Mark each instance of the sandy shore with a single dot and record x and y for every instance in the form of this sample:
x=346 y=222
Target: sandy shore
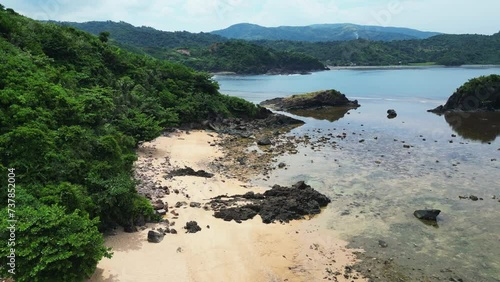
x=221 y=251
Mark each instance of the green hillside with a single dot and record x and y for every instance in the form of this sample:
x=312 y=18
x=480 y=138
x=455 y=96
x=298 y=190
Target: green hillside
x=441 y=49
x=202 y=51
x=73 y=110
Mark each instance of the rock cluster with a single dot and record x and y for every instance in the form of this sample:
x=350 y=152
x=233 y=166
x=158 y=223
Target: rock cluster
x=277 y=204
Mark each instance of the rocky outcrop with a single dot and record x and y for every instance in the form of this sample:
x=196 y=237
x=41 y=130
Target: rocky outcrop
x=155 y=237
x=277 y=204
x=477 y=95
x=314 y=100
x=187 y=171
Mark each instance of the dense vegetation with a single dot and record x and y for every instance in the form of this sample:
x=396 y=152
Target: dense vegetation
x=203 y=51
x=478 y=94
x=321 y=32
x=73 y=108
x=210 y=52
x=441 y=49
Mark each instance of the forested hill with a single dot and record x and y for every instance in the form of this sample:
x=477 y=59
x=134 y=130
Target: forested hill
x=321 y=32
x=440 y=49
x=72 y=110
x=202 y=51
x=147 y=37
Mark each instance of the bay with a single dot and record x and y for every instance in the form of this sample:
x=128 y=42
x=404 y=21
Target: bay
x=379 y=170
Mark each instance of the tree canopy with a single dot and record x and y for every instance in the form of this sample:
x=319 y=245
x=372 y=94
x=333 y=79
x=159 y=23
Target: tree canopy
x=73 y=109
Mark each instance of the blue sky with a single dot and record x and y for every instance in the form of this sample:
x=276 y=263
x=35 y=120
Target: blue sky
x=449 y=16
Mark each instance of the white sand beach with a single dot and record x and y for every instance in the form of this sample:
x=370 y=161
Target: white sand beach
x=221 y=251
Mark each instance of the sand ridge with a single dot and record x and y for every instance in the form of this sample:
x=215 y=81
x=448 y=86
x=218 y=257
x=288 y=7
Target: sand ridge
x=221 y=251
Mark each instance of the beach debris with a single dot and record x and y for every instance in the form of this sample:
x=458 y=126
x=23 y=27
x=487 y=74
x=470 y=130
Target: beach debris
x=391 y=113
x=281 y=165
x=430 y=215
x=277 y=204
x=155 y=237
x=192 y=227
x=129 y=228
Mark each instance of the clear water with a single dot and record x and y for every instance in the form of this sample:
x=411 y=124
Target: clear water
x=378 y=183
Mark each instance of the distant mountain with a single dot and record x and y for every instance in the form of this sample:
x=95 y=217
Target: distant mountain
x=321 y=32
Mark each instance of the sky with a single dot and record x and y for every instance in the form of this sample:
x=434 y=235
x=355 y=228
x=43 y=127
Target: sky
x=447 y=16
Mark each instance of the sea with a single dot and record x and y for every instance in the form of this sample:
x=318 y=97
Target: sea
x=378 y=171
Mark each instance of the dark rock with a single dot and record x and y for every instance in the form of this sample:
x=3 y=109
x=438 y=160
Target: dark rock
x=277 y=204
x=158 y=205
x=427 y=214
x=192 y=227
x=281 y=165
x=140 y=220
x=474 y=198
x=155 y=237
x=391 y=114
x=173 y=231
x=195 y=205
x=264 y=141
x=180 y=204
x=161 y=212
x=130 y=228
x=187 y=171
x=382 y=244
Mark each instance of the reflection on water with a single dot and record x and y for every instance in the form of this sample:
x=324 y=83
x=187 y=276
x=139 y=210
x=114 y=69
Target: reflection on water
x=483 y=127
x=331 y=113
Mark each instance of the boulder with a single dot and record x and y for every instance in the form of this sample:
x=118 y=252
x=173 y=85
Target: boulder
x=264 y=141
x=158 y=205
x=192 y=227
x=427 y=214
x=391 y=114
x=154 y=236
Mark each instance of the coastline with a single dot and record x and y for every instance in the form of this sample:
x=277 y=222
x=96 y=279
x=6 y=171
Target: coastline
x=222 y=251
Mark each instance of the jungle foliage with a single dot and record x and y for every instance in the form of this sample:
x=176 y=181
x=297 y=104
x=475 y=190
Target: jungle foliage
x=73 y=109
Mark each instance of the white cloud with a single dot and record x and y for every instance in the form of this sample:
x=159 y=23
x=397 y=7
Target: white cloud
x=452 y=16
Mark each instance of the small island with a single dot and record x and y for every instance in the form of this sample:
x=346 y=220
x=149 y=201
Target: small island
x=480 y=94
x=310 y=101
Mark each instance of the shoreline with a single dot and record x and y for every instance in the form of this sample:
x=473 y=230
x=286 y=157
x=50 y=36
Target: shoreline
x=222 y=251
x=389 y=67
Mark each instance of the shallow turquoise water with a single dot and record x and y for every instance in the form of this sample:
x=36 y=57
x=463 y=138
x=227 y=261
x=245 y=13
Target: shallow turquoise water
x=378 y=183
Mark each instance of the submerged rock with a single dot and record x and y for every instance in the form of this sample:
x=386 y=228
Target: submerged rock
x=427 y=214
x=155 y=237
